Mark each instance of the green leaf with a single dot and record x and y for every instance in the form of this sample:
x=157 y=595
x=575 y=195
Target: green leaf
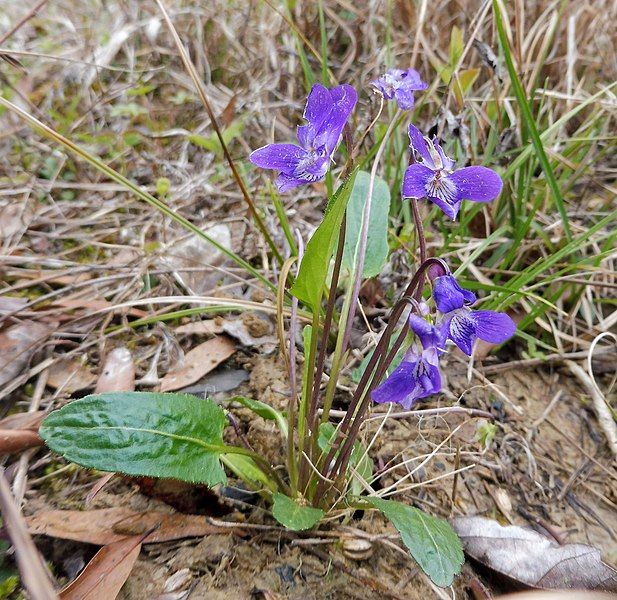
x=213 y=144
x=140 y=433
x=377 y=241
x=245 y=468
x=432 y=542
x=463 y=84
x=265 y=411
x=294 y=516
x=128 y=110
x=456 y=45
x=308 y=286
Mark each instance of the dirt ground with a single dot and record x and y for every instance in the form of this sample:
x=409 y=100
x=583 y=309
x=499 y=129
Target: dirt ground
x=547 y=467
x=89 y=272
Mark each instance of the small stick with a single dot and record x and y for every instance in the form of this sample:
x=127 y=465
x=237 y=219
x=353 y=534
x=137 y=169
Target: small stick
x=23 y=21
x=605 y=418
x=34 y=576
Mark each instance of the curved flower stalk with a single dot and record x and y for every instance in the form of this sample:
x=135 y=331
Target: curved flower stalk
x=418 y=374
x=400 y=85
x=326 y=113
x=433 y=176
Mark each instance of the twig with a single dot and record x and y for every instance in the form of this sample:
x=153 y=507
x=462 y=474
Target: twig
x=34 y=576
x=23 y=21
x=605 y=419
x=546 y=360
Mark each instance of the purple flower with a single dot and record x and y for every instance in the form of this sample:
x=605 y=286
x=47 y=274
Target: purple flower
x=433 y=176
x=326 y=113
x=418 y=375
x=401 y=85
x=463 y=325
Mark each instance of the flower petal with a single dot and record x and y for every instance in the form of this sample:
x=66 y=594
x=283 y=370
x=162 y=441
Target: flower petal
x=404 y=98
x=411 y=80
x=282 y=157
x=415 y=180
x=343 y=98
x=479 y=184
x=449 y=295
x=493 y=327
x=316 y=111
x=448 y=208
x=286 y=182
x=420 y=146
x=462 y=330
x=432 y=382
x=429 y=335
x=400 y=387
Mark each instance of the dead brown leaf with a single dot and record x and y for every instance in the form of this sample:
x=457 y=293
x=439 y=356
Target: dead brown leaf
x=524 y=557
x=106 y=573
x=198 y=362
x=70 y=375
x=27 y=420
x=108 y=525
x=207 y=327
x=118 y=373
x=16 y=440
x=17 y=345
x=9 y=304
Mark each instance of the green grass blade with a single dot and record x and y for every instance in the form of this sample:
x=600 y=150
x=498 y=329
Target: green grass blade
x=132 y=187
x=530 y=123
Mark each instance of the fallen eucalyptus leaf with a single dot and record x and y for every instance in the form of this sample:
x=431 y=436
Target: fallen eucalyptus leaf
x=525 y=557
x=118 y=374
x=198 y=362
x=108 y=525
x=106 y=573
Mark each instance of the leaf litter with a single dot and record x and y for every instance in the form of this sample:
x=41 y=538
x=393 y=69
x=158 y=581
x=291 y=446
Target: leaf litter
x=198 y=362
x=540 y=470
x=530 y=559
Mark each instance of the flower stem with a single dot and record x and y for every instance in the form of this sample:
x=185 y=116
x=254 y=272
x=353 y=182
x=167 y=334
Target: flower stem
x=421 y=242
x=379 y=362
x=348 y=311
x=321 y=358
x=292 y=465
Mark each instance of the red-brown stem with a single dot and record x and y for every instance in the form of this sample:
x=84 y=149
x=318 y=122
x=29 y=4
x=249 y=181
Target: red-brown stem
x=378 y=355
x=421 y=243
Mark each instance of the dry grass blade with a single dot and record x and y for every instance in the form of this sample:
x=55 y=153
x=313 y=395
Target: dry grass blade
x=190 y=67
x=605 y=418
x=23 y=21
x=34 y=575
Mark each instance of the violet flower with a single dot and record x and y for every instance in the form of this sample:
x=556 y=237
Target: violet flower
x=418 y=375
x=433 y=176
x=400 y=85
x=463 y=325
x=326 y=113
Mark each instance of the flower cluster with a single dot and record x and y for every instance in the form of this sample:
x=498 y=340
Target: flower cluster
x=400 y=85
x=432 y=176
x=418 y=375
